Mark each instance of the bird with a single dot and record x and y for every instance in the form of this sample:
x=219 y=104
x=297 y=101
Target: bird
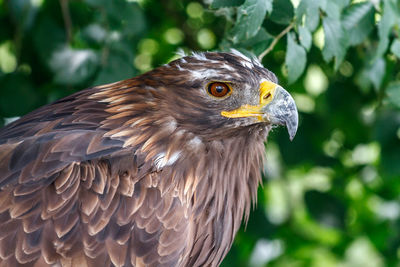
x=157 y=170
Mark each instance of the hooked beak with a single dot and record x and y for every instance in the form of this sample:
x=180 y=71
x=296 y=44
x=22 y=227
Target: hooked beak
x=276 y=106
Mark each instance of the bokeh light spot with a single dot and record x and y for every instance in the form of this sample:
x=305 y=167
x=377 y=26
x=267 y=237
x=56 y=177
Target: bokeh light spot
x=206 y=38
x=36 y=3
x=8 y=61
x=377 y=17
x=174 y=36
x=265 y=251
x=362 y=253
x=25 y=68
x=148 y=46
x=346 y=69
x=295 y=3
x=276 y=208
x=368 y=113
x=332 y=146
x=319 y=38
x=143 y=62
x=194 y=10
x=366 y=153
x=140 y=2
x=316 y=81
x=304 y=102
x=318 y=178
x=355 y=189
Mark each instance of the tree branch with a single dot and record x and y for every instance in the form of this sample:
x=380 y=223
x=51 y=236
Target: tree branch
x=67 y=18
x=275 y=41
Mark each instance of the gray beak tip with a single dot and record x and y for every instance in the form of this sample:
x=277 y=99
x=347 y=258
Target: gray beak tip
x=292 y=124
x=292 y=135
x=282 y=110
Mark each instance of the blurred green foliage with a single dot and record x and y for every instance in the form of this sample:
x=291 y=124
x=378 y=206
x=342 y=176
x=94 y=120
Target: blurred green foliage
x=332 y=196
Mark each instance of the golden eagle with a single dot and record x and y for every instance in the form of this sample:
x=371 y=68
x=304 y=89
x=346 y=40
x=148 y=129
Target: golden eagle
x=157 y=170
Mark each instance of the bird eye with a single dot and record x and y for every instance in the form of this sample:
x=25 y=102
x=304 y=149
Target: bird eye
x=218 y=89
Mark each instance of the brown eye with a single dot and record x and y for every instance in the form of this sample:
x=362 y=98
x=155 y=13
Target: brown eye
x=218 y=89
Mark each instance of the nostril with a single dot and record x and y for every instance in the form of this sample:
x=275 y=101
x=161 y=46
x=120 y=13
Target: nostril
x=267 y=96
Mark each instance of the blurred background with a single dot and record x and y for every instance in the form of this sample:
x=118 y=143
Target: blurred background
x=332 y=196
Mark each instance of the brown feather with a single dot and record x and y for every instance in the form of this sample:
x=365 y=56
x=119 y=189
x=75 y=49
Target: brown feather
x=142 y=172
x=116 y=252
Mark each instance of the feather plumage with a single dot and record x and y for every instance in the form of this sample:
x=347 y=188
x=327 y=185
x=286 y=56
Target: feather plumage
x=142 y=172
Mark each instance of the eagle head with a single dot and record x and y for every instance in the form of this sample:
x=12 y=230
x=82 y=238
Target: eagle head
x=215 y=93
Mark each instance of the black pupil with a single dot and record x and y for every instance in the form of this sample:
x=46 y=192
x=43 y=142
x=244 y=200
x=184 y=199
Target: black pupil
x=219 y=89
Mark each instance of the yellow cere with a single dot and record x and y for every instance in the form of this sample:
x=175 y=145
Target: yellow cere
x=267 y=90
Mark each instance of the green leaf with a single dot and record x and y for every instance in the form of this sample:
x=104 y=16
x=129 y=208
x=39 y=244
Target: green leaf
x=295 y=59
x=333 y=10
x=73 y=66
x=308 y=10
x=395 y=48
x=250 y=17
x=376 y=71
x=393 y=93
x=259 y=42
x=305 y=37
x=372 y=74
x=335 y=41
x=226 y=3
x=388 y=20
x=358 y=21
x=282 y=12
